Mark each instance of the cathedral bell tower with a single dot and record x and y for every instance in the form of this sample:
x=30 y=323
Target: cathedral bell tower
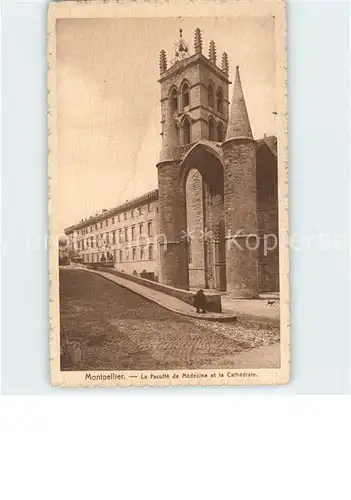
x=194 y=108
x=196 y=88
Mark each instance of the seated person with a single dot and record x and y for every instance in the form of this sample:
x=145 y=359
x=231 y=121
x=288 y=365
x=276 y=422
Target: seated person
x=200 y=302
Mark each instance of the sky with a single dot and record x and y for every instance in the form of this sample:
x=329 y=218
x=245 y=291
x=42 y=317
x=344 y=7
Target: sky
x=108 y=99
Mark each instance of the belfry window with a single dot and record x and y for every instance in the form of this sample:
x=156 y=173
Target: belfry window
x=174 y=100
x=186 y=131
x=220 y=101
x=211 y=130
x=210 y=95
x=185 y=95
x=220 y=133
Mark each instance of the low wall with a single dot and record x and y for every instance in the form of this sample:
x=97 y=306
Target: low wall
x=103 y=265
x=214 y=303
x=150 y=266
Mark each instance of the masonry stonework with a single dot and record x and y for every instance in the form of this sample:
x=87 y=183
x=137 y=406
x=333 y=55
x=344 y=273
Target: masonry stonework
x=213 y=221
x=195 y=228
x=172 y=227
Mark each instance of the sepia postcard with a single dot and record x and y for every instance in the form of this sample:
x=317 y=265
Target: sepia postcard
x=168 y=193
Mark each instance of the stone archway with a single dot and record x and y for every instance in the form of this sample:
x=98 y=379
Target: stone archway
x=202 y=191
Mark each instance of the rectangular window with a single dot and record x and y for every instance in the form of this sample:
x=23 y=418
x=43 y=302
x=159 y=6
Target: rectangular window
x=141 y=253
x=120 y=236
x=119 y=218
x=132 y=214
x=120 y=256
x=107 y=239
x=114 y=237
x=149 y=207
x=106 y=222
x=113 y=220
x=125 y=215
x=95 y=227
x=149 y=228
x=127 y=254
x=139 y=210
x=101 y=225
x=134 y=254
x=126 y=234
x=133 y=232
x=92 y=242
x=140 y=229
x=151 y=252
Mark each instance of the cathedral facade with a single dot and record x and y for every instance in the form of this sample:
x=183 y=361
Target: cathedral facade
x=217 y=185
x=216 y=206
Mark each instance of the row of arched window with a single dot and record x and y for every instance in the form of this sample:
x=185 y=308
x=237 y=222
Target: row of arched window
x=184 y=97
x=184 y=131
x=215 y=131
x=215 y=100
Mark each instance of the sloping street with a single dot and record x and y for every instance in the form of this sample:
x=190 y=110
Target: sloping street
x=107 y=327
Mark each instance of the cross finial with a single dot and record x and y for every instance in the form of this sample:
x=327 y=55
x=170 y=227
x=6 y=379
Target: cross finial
x=181 y=47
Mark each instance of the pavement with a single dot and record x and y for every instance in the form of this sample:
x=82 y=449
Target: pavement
x=267 y=356
x=171 y=303
x=105 y=326
x=232 y=307
x=253 y=308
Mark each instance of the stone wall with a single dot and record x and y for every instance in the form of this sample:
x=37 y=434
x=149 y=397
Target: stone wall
x=214 y=303
x=138 y=267
x=172 y=224
x=195 y=225
x=268 y=224
x=240 y=216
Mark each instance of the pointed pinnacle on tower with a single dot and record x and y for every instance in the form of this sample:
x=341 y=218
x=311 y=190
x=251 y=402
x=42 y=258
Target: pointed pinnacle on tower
x=170 y=141
x=163 y=61
x=239 y=123
x=212 y=52
x=198 y=41
x=225 y=64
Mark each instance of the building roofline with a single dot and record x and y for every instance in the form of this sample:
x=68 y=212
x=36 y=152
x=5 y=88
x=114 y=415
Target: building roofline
x=179 y=66
x=270 y=141
x=145 y=198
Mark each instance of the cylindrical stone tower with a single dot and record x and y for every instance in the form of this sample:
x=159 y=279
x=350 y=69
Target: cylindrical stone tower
x=242 y=241
x=172 y=215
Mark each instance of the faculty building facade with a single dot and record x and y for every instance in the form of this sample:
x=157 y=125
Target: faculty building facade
x=126 y=235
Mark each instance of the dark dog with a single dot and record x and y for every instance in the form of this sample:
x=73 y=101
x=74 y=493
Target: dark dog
x=270 y=303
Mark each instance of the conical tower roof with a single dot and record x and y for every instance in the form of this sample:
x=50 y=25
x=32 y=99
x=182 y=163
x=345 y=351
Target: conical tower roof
x=239 y=123
x=170 y=141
